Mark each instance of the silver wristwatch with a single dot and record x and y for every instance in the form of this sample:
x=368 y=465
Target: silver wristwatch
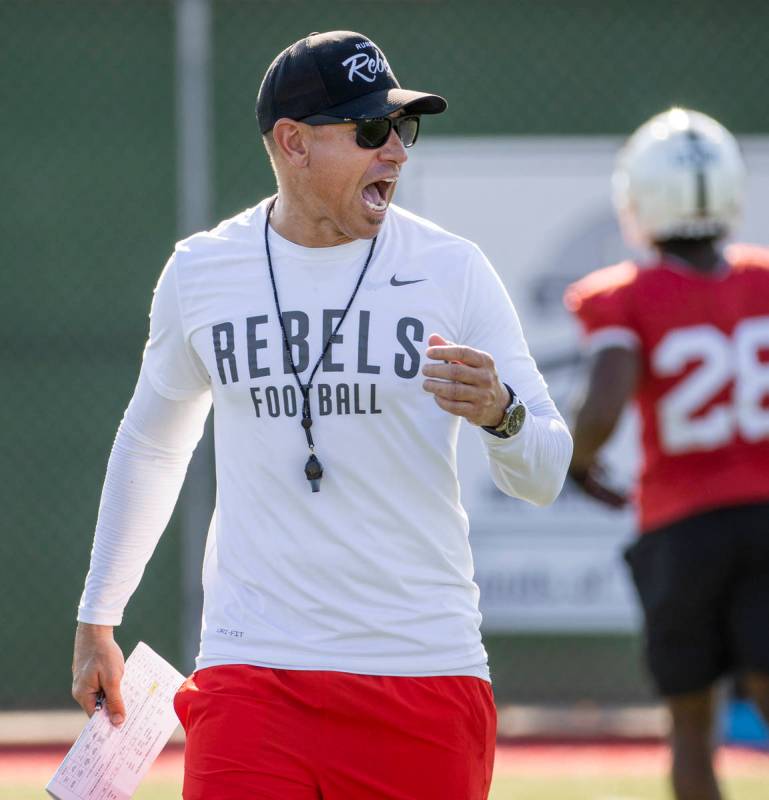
x=512 y=419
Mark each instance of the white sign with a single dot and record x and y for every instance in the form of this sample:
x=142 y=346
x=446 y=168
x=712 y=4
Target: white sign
x=539 y=581
x=540 y=208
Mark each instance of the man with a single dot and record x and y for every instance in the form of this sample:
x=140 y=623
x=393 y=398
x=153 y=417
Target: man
x=340 y=655
x=687 y=338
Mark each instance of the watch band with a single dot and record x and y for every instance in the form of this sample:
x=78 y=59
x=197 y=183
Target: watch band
x=500 y=430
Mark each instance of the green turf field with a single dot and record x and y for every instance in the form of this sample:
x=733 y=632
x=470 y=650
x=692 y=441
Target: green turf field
x=504 y=788
x=606 y=788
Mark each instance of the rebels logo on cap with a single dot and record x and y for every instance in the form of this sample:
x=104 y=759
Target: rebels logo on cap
x=365 y=66
x=340 y=74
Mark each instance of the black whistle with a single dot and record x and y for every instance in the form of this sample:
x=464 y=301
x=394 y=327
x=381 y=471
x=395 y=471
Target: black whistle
x=313 y=469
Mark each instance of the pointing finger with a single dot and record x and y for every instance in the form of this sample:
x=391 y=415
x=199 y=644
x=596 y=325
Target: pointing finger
x=461 y=353
x=435 y=340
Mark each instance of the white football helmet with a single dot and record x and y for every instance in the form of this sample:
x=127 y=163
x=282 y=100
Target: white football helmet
x=680 y=175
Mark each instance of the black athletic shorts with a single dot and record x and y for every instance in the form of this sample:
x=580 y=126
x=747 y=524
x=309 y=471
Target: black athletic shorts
x=703 y=583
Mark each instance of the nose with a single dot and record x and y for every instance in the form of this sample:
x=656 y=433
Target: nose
x=393 y=150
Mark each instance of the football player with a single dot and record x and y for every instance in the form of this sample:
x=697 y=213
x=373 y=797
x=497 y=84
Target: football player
x=686 y=338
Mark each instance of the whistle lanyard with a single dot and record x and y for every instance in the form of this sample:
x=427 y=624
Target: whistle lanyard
x=313 y=469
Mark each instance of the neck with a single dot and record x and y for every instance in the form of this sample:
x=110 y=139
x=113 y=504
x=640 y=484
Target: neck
x=298 y=222
x=701 y=254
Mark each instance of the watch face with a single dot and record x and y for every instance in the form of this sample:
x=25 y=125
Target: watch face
x=514 y=419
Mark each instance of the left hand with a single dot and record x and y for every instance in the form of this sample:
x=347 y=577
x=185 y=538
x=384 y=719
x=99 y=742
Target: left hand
x=467 y=382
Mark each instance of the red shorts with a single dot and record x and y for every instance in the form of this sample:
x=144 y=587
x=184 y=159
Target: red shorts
x=272 y=734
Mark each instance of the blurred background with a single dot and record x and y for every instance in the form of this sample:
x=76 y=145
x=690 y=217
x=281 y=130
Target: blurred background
x=127 y=124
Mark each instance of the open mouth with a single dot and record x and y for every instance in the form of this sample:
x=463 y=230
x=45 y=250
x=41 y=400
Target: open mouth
x=377 y=195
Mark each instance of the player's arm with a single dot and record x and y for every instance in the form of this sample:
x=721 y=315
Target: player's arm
x=603 y=303
x=612 y=380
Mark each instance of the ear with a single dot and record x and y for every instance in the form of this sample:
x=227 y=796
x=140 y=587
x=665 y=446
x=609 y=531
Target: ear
x=292 y=140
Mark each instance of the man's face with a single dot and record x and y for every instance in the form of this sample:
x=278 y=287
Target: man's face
x=350 y=187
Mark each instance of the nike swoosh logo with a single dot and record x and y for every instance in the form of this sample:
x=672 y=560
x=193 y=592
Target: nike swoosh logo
x=395 y=282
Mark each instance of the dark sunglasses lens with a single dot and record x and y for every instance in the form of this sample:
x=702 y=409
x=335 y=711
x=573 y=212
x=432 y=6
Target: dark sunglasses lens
x=408 y=128
x=373 y=132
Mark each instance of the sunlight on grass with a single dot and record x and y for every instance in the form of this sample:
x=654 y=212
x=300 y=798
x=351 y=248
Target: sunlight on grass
x=505 y=787
x=609 y=788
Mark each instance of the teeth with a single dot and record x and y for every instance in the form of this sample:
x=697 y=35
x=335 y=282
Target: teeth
x=380 y=205
x=375 y=206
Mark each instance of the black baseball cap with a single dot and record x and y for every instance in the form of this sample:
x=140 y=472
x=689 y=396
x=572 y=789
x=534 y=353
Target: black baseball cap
x=339 y=74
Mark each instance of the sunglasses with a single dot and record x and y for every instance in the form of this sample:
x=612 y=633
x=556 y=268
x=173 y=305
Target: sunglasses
x=374 y=132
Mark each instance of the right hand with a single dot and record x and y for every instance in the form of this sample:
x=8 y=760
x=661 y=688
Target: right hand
x=592 y=481
x=97 y=666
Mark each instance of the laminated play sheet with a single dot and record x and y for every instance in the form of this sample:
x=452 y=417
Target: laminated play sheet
x=108 y=763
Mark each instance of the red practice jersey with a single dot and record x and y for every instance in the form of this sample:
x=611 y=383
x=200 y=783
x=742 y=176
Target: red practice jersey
x=703 y=393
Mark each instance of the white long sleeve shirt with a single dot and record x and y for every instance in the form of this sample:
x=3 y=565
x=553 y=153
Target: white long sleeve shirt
x=373 y=574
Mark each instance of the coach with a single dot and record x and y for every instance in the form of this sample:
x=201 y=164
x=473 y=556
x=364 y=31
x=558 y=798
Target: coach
x=340 y=653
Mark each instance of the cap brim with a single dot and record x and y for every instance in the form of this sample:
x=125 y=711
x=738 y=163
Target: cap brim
x=386 y=101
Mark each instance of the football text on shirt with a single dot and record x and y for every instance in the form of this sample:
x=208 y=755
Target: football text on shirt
x=340 y=398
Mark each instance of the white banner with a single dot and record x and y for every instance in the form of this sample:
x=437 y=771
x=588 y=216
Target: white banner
x=553 y=583
x=540 y=208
